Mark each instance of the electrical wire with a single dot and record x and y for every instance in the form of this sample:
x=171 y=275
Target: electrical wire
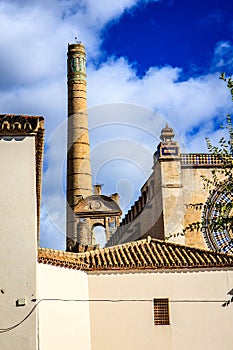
x=38 y=301
x=4 y=330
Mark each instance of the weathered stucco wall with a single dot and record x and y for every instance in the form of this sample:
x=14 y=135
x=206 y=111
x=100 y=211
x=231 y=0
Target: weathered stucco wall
x=18 y=241
x=197 y=320
x=63 y=324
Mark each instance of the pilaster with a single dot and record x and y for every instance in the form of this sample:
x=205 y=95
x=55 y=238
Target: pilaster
x=168 y=169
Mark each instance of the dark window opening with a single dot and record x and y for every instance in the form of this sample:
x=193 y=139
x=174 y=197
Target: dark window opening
x=161 y=312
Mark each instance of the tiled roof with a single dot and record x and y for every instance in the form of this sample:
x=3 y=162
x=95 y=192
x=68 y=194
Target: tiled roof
x=60 y=258
x=144 y=254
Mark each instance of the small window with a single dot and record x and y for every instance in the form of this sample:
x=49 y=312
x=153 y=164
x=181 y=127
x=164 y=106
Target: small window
x=161 y=312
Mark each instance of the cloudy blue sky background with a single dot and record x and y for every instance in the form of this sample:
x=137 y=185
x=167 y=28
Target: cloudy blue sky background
x=148 y=62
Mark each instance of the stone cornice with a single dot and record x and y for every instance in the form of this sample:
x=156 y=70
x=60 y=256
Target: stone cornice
x=20 y=124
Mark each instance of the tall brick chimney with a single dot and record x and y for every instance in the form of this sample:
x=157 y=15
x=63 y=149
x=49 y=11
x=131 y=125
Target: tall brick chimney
x=79 y=178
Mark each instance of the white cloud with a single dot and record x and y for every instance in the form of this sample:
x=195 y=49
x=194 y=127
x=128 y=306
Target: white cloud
x=30 y=46
x=223 y=56
x=103 y=11
x=124 y=125
x=184 y=103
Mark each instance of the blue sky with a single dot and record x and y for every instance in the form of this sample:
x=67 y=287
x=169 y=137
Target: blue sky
x=178 y=33
x=149 y=62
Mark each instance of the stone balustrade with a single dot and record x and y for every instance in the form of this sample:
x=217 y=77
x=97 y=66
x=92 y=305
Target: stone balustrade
x=200 y=159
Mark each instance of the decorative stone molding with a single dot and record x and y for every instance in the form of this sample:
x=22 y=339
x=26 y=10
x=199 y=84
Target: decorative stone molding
x=96 y=205
x=19 y=124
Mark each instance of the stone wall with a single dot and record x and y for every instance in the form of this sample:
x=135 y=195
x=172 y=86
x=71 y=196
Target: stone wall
x=165 y=206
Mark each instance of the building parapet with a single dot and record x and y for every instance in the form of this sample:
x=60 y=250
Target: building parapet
x=194 y=160
x=136 y=209
x=131 y=215
x=200 y=159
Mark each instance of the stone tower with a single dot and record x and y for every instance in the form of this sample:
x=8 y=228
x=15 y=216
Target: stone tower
x=84 y=209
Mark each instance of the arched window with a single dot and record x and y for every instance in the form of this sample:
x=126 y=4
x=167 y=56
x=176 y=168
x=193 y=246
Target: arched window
x=99 y=233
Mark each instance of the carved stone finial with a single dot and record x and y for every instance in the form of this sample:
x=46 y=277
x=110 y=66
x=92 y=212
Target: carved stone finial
x=167 y=134
x=97 y=188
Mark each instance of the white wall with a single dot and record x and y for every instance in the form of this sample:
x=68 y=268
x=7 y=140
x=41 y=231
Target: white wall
x=129 y=325
x=18 y=241
x=63 y=324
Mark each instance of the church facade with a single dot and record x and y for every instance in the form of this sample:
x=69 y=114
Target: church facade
x=174 y=197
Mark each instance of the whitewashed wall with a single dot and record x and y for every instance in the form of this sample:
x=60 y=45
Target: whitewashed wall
x=18 y=241
x=63 y=324
x=197 y=319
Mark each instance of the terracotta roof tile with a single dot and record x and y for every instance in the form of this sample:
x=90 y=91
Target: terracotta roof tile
x=144 y=254
x=134 y=256
x=140 y=255
x=155 y=254
x=60 y=258
x=200 y=258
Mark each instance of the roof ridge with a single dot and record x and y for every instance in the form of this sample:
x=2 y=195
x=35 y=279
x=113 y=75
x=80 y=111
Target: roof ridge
x=149 y=240
x=142 y=254
x=189 y=247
